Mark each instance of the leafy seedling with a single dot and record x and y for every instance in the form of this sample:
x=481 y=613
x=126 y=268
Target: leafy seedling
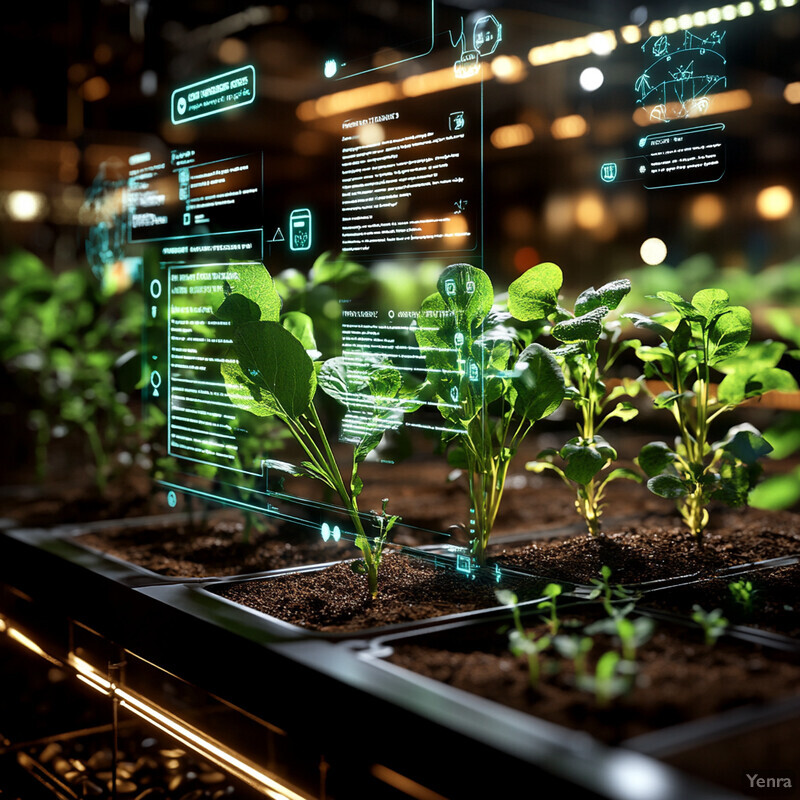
x=272 y=374
x=712 y=623
x=698 y=339
x=384 y=523
x=488 y=388
x=612 y=678
x=603 y=588
x=551 y=591
x=590 y=345
x=744 y=595
x=522 y=642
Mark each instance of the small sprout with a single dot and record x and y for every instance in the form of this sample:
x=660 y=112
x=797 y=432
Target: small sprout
x=522 y=642
x=712 y=623
x=609 y=593
x=633 y=633
x=575 y=648
x=372 y=549
x=552 y=590
x=613 y=677
x=744 y=595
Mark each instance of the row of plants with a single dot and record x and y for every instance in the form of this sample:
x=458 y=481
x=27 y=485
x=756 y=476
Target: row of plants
x=491 y=383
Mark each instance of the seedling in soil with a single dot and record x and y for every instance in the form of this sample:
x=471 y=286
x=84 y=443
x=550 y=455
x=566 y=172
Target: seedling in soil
x=575 y=648
x=489 y=388
x=551 y=591
x=610 y=593
x=712 y=623
x=522 y=642
x=632 y=633
x=699 y=339
x=613 y=677
x=273 y=374
x=384 y=522
x=584 y=332
x=743 y=595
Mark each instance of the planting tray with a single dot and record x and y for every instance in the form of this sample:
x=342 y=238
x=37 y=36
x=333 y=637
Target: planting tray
x=754 y=738
x=209 y=591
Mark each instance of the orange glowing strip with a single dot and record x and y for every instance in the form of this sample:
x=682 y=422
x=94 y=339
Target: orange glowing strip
x=720 y=103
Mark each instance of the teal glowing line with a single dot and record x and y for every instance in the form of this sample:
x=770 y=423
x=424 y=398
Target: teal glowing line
x=212 y=79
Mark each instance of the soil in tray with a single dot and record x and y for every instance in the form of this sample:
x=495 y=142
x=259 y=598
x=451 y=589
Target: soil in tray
x=776 y=599
x=679 y=679
x=336 y=599
x=214 y=548
x=650 y=550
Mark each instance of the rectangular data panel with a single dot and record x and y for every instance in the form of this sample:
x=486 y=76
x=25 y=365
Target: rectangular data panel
x=213 y=95
x=203 y=425
x=411 y=174
x=188 y=198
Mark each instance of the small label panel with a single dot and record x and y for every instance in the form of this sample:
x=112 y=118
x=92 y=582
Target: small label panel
x=213 y=95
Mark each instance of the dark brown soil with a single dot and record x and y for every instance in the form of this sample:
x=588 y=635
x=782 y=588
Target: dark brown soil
x=776 y=599
x=337 y=599
x=679 y=679
x=215 y=548
x=651 y=551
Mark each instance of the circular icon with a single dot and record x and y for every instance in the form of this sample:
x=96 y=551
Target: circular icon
x=155 y=288
x=155 y=379
x=172 y=499
x=181 y=105
x=391 y=314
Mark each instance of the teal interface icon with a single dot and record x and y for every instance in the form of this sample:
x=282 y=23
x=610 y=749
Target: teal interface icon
x=608 y=172
x=300 y=229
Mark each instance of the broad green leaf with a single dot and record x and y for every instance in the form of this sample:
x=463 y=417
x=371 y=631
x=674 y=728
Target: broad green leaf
x=784 y=435
x=668 y=399
x=686 y=310
x=275 y=362
x=534 y=295
x=668 y=486
x=341 y=381
x=605 y=449
x=609 y=295
x=777 y=492
x=385 y=382
x=624 y=411
x=255 y=283
x=729 y=334
x=711 y=302
x=538 y=388
x=623 y=473
x=654 y=458
x=468 y=292
x=755 y=357
x=244 y=393
x=587 y=327
x=739 y=386
x=301 y=327
x=650 y=324
x=745 y=444
x=237 y=308
x=369 y=441
x=583 y=461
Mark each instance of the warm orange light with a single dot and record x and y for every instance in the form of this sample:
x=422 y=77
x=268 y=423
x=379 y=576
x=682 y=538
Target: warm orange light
x=232 y=51
x=569 y=127
x=590 y=211
x=512 y=136
x=792 y=92
x=508 y=69
x=95 y=89
x=103 y=53
x=631 y=34
x=525 y=258
x=707 y=210
x=774 y=202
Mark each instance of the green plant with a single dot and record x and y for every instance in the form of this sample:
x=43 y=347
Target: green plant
x=575 y=648
x=612 y=678
x=488 y=388
x=272 y=374
x=712 y=623
x=384 y=522
x=744 y=595
x=70 y=352
x=699 y=339
x=609 y=592
x=551 y=591
x=588 y=455
x=522 y=642
x=632 y=633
